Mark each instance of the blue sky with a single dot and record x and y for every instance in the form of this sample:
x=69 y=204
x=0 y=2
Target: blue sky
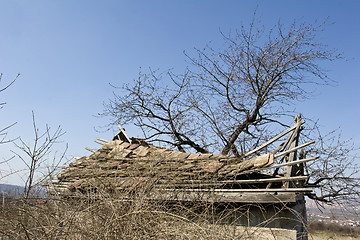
x=68 y=51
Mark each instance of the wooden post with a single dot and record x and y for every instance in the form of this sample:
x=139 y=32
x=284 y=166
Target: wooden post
x=290 y=170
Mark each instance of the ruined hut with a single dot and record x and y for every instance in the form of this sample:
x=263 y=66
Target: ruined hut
x=273 y=184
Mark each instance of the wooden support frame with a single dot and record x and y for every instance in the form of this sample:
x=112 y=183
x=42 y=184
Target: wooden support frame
x=294 y=149
x=282 y=165
x=274 y=138
x=238 y=190
x=201 y=183
x=289 y=169
x=227 y=197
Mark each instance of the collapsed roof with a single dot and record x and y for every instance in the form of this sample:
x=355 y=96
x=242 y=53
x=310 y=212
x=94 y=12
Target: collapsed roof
x=127 y=164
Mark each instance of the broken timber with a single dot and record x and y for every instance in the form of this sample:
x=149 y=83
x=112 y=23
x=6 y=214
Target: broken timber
x=127 y=163
x=264 y=181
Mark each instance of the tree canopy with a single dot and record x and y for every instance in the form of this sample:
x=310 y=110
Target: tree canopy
x=226 y=95
x=227 y=99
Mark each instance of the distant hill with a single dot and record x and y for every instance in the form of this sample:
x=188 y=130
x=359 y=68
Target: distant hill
x=11 y=190
x=16 y=191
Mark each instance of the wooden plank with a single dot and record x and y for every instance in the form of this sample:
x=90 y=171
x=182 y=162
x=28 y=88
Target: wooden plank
x=239 y=190
x=103 y=140
x=281 y=165
x=290 y=169
x=290 y=138
x=122 y=135
x=274 y=139
x=227 y=197
x=294 y=149
x=101 y=143
x=265 y=180
x=282 y=146
x=211 y=197
x=91 y=150
x=292 y=163
x=219 y=183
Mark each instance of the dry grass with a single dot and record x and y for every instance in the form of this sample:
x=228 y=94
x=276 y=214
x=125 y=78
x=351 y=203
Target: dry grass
x=104 y=215
x=106 y=218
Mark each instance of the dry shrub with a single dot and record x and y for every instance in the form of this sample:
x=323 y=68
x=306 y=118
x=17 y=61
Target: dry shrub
x=107 y=218
x=130 y=214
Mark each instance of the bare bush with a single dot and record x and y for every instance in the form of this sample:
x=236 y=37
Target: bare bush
x=4 y=129
x=102 y=219
x=39 y=155
x=110 y=217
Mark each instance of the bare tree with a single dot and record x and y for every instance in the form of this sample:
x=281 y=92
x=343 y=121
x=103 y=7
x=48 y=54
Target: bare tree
x=229 y=100
x=3 y=130
x=230 y=93
x=38 y=154
x=34 y=156
x=161 y=110
x=256 y=77
x=336 y=171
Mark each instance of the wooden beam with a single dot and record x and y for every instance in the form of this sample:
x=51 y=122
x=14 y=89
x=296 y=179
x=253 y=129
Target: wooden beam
x=294 y=162
x=274 y=139
x=281 y=165
x=219 y=183
x=294 y=149
x=212 y=197
x=265 y=180
x=121 y=135
x=239 y=190
x=101 y=143
x=282 y=146
x=103 y=140
x=91 y=150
